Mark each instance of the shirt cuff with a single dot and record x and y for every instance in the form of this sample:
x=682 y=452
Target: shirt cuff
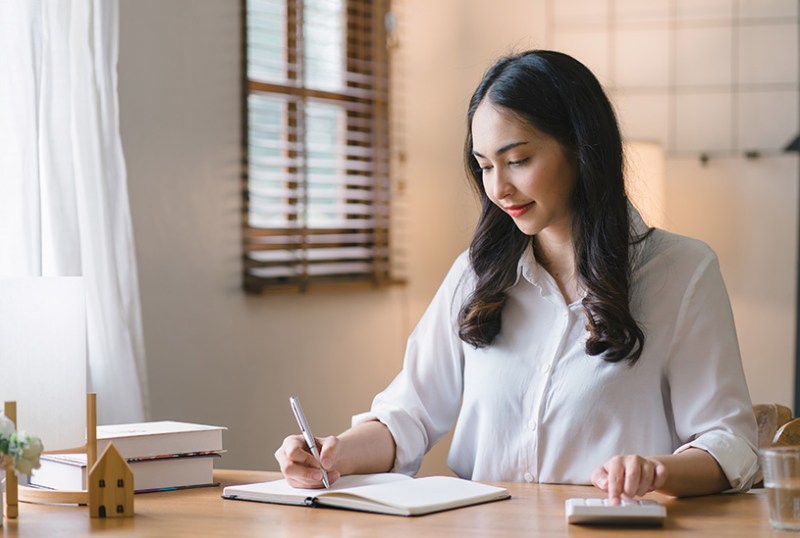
x=737 y=458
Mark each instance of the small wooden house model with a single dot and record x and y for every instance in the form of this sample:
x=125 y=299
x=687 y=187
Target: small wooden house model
x=111 y=485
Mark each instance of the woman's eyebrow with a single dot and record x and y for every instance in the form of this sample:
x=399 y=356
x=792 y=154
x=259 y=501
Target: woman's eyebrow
x=501 y=150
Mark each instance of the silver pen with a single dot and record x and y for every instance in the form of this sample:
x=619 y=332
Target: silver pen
x=308 y=436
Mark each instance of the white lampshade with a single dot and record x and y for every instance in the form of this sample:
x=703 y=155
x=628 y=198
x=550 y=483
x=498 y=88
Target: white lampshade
x=644 y=180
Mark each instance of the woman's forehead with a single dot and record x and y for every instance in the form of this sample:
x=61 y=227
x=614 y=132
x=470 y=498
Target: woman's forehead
x=494 y=124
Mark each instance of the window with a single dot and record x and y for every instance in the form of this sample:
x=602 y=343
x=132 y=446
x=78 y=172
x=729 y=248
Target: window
x=317 y=188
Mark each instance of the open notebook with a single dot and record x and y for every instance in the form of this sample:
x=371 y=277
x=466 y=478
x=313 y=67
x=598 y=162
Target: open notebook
x=387 y=493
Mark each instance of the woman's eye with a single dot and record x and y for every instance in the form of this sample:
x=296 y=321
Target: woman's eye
x=517 y=163
x=486 y=168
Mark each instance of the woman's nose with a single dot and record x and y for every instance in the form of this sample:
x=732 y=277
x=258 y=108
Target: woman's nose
x=500 y=186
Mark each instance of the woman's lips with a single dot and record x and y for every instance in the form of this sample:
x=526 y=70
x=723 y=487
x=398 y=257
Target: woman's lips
x=517 y=210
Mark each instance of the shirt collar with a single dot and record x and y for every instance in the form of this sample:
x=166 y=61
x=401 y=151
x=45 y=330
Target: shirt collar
x=527 y=266
x=531 y=270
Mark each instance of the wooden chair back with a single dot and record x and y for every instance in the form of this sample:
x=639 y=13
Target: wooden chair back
x=772 y=419
x=788 y=434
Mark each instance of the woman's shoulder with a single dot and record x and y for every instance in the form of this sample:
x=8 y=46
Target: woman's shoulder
x=457 y=284
x=663 y=246
x=670 y=268
x=671 y=261
x=460 y=269
x=462 y=260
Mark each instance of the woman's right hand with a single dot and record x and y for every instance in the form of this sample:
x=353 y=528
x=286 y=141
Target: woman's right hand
x=299 y=466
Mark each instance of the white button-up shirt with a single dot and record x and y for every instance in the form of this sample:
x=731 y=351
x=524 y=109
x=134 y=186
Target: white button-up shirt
x=533 y=406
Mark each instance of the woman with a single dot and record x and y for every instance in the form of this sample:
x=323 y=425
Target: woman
x=571 y=343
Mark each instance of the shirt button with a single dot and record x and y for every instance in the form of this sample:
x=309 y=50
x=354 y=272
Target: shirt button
x=546 y=368
x=532 y=425
x=528 y=477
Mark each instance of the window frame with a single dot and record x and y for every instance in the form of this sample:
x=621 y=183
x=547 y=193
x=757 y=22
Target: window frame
x=375 y=65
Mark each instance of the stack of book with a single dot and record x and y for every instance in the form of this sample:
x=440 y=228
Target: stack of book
x=162 y=455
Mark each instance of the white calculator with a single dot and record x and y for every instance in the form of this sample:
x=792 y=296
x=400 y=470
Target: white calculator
x=602 y=512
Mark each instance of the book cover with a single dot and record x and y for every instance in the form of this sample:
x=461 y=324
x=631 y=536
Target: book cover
x=160 y=438
x=67 y=472
x=386 y=493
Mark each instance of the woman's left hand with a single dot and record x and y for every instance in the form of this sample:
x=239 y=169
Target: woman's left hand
x=629 y=476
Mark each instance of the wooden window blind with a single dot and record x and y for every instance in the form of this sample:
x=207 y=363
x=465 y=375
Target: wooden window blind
x=317 y=176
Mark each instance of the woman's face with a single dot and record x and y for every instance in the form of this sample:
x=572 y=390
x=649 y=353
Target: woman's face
x=525 y=172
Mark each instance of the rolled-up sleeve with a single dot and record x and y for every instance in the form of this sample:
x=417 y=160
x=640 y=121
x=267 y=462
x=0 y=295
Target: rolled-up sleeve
x=422 y=402
x=708 y=392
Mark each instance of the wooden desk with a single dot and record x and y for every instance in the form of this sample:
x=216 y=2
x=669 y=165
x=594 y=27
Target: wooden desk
x=533 y=510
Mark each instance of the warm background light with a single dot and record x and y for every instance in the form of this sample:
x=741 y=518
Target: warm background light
x=644 y=180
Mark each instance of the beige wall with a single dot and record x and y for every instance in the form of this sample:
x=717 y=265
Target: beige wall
x=217 y=356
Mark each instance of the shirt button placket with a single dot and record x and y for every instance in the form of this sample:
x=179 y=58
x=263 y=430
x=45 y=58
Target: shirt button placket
x=545 y=382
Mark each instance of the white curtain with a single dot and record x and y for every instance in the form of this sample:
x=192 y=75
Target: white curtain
x=64 y=207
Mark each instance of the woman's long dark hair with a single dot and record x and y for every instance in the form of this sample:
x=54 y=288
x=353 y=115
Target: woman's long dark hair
x=560 y=97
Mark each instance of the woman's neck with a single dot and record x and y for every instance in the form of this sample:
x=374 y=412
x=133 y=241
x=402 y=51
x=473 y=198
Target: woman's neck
x=554 y=252
x=557 y=256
